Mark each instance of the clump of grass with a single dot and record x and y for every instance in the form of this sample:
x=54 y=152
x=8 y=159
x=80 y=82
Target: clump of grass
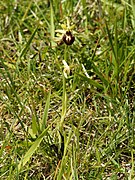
x=78 y=125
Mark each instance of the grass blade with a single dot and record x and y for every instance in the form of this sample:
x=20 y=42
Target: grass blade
x=28 y=43
x=45 y=115
x=52 y=27
x=92 y=82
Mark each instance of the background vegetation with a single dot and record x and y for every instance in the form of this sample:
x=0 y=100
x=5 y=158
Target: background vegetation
x=75 y=127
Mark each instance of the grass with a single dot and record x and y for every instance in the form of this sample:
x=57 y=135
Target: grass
x=56 y=124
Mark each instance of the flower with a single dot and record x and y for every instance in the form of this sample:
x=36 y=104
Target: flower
x=65 y=35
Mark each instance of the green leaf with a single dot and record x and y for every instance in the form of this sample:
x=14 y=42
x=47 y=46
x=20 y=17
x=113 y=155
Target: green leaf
x=34 y=125
x=52 y=27
x=28 y=43
x=92 y=82
x=99 y=74
x=32 y=149
x=45 y=115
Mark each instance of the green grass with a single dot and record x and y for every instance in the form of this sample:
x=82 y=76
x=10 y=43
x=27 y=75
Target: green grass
x=60 y=125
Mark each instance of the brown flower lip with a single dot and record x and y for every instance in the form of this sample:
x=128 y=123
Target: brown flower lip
x=68 y=38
